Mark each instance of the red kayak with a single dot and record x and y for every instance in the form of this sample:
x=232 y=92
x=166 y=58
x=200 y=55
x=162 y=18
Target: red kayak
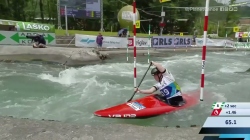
x=148 y=106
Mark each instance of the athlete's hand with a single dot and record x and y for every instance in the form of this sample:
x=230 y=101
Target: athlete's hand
x=152 y=63
x=137 y=90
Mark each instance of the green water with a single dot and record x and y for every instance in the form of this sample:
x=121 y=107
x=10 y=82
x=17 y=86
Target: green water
x=42 y=91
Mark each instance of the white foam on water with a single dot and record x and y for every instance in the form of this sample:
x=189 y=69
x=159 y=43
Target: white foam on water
x=88 y=87
x=239 y=53
x=7 y=73
x=182 y=59
x=148 y=82
x=235 y=66
x=7 y=91
x=230 y=69
x=187 y=113
x=176 y=57
x=23 y=69
x=15 y=105
x=189 y=86
x=66 y=77
x=221 y=97
x=96 y=87
x=78 y=75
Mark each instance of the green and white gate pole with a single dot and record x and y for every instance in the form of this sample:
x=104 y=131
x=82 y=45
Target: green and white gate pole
x=225 y=45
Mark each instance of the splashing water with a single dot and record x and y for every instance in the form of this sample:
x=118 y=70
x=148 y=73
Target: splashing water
x=50 y=92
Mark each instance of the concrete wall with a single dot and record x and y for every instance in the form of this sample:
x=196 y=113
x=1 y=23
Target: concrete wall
x=65 y=40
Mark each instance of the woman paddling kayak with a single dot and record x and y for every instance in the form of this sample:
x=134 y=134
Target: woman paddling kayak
x=166 y=84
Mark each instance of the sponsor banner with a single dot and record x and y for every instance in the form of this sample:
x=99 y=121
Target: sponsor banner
x=129 y=15
x=19 y=38
x=35 y=27
x=140 y=42
x=210 y=42
x=199 y=42
x=167 y=41
x=29 y=26
x=242 y=34
x=242 y=44
x=108 y=42
x=130 y=42
x=85 y=40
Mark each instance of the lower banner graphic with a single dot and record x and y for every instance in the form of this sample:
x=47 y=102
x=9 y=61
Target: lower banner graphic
x=215 y=42
x=108 y=42
x=171 y=41
x=140 y=42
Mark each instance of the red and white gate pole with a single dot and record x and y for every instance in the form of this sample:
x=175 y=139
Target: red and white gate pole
x=204 y=50
x=134 y=27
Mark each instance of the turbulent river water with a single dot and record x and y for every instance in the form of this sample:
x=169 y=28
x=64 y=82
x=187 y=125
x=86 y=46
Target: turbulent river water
x=43 y=91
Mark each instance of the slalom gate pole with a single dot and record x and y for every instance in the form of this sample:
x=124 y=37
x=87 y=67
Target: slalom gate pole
x=204 y=49
x=225 y=47
x=236 y=48
x=174 y=41
x=149 y=42
x=128 y=42
x=66 y=20
x=134 y=28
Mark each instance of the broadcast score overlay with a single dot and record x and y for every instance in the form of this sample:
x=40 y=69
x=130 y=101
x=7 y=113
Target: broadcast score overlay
x=231 y=120
x=90 y=9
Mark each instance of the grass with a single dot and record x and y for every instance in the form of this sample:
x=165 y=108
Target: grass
x=73 y=32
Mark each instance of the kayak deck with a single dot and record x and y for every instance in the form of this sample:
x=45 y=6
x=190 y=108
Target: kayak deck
x=145 y=107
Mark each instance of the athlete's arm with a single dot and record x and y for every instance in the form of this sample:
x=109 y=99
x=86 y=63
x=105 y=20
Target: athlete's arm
x=159 y=67
x=147 y=91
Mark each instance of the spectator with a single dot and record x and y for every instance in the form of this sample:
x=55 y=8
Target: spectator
x=40 y=41
x=123 y=32
x=194 y=37
x=99 y=40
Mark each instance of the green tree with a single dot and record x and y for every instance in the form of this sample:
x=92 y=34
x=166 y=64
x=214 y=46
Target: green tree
x=28 y=10
x=232 y=20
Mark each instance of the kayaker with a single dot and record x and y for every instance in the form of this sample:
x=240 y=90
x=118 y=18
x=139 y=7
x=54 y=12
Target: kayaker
x=170 y=90
x=39 y=40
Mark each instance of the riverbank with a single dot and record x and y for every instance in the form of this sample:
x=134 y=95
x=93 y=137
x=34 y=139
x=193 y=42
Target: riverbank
x=62 y=55
x=159 y=52
x=26 y=129
x=87 y=56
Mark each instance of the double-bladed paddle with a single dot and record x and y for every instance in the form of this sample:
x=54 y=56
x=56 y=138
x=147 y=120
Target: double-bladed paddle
x=140 y=82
